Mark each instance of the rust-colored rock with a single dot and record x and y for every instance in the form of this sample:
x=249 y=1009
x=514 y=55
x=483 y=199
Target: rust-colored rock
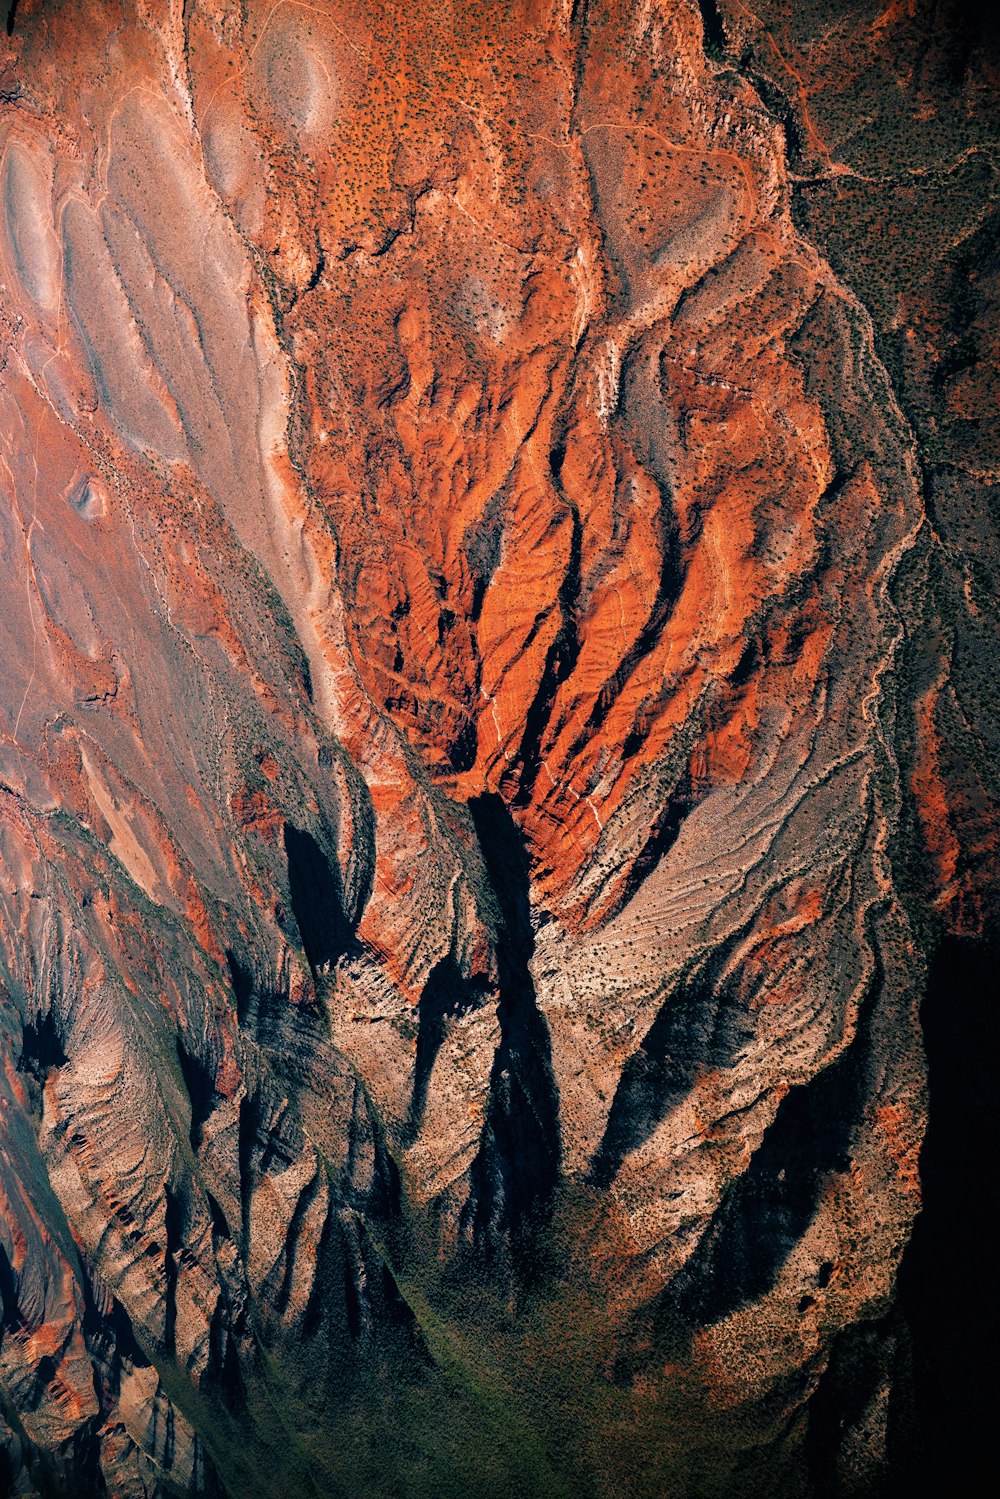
x=490 y=716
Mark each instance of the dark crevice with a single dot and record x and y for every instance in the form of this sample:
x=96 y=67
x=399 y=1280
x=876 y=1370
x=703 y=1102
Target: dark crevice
x=668 y=590
x=317 y=899
x=200 y=1085
x=223 y=1361
x=464 y=747
x=369 y=1178
x=748 y=665
x=11 y=13
x=220 y=1223
x=764 y=1214
x=779 y=107
x=126 y=1344
x=10 y=1316
x=355 y=1307
x=174 y=1232
x=374 y=1306
x=517 y=1165
x=352 y=1291
x=88 y=1474
x=382 y=1195
x=41 y=1048
x=318 y=270
x=714 y=29
x=246 y=1141
x=662 y=837
x=242 y=980
x=561 y=656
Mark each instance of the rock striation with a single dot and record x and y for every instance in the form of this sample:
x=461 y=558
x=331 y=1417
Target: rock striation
x=496 y=576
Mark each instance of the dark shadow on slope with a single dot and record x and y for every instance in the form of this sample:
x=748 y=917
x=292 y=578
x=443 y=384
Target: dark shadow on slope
x=948 y=1284
x=701 y=1027
x=223 y=1376
x=446 y=995
x=262 y=1008
x=518 y=1161
x=764 y=1213
x=482 y=545
x=850 y=1391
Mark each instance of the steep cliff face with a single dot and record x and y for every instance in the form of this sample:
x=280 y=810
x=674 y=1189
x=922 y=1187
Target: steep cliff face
x=471 y=710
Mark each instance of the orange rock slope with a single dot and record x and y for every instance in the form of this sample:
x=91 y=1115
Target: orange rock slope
x=460 y=952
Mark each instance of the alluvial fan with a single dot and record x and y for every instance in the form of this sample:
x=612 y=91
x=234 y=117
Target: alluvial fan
x=497 y=746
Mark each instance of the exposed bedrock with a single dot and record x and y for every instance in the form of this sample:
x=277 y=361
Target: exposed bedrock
x=493 y=735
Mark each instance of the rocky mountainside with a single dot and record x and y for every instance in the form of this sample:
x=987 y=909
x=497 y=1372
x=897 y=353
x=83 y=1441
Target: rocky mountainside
x=498 y=746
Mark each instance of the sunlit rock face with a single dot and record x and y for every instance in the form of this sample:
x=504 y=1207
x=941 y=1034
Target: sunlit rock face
x=483 y=763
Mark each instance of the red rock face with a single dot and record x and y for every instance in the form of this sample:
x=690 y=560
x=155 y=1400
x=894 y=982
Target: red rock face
x=472 y=702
